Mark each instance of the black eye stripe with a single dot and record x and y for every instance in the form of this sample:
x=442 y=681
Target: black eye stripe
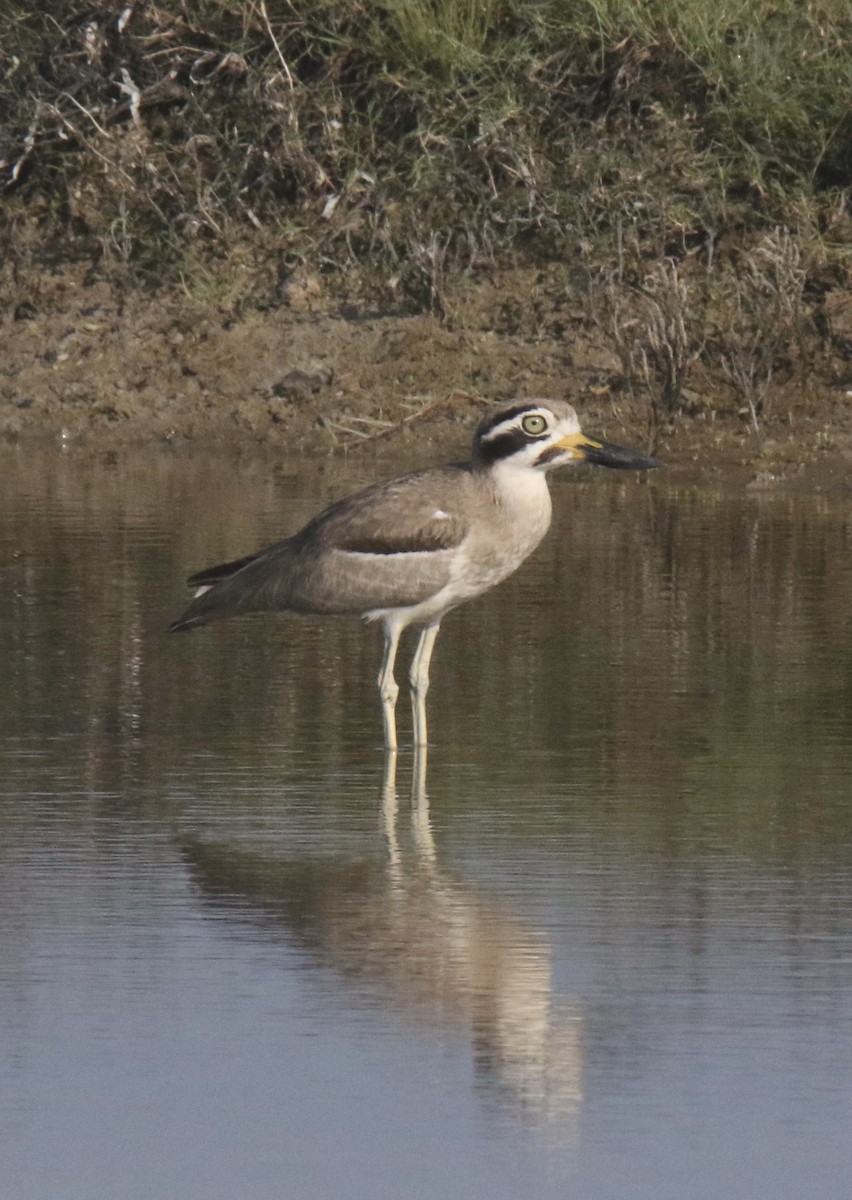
x=503 y=446
x=492 y=420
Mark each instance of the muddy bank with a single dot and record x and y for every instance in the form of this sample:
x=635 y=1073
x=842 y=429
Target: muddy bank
x=102 y=371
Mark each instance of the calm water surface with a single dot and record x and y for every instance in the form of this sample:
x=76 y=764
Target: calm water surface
x=602 y=949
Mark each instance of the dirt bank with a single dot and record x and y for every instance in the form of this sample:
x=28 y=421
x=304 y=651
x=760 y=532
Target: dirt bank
x=91 y=367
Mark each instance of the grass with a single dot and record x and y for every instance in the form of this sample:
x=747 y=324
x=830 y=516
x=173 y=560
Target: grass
x=401 y=143
x=241 y=110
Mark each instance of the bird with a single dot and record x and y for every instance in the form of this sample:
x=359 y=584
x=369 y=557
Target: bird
x=406 y=551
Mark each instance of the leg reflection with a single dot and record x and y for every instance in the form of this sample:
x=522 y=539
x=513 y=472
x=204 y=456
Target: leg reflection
x=420 y=820
x=421 y=825
x=390 y=808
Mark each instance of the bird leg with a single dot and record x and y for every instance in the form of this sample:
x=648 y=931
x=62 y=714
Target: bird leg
x=419 y=677
x=388 y=687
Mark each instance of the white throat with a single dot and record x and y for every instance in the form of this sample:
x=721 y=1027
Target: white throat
x=523 y=494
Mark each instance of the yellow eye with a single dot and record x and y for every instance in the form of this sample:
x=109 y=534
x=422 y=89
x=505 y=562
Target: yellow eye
x=534 y=424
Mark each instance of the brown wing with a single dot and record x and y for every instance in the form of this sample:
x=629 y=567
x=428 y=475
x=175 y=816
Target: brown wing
x=414 y=514
x=390 y=546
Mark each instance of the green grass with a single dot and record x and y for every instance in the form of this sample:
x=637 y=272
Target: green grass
x=454 y=133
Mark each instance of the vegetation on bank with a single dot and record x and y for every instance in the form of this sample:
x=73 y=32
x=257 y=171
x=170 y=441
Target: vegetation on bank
x=687 y=166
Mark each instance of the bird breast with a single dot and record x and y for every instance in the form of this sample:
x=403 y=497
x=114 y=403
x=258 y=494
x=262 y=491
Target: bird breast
x=517 y=516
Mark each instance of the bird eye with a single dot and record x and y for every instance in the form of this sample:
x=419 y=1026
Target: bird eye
x=534 y=424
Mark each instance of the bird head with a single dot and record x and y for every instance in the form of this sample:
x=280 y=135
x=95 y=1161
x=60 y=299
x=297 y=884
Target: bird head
x=541 y=434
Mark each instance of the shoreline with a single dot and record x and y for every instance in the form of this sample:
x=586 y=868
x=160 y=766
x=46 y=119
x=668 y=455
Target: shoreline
x=107 y=372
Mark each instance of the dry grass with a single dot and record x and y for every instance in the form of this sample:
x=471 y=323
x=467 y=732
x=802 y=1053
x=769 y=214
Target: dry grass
x=771 y=325
x=653 y=328
x=442 y=133
x=659 y=146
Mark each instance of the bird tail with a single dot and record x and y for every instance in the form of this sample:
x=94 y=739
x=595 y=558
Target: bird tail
x=244 y=585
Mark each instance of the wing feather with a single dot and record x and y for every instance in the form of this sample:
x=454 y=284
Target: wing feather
x=414 y=514
x=391 y=546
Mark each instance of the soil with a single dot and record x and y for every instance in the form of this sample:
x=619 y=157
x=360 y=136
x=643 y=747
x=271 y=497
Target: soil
x=100 y=369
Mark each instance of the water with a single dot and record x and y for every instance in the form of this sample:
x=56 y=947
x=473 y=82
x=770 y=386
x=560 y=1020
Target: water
x=602 y=948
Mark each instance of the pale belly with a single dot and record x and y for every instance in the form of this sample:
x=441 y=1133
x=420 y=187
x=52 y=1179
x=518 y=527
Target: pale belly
x=486 y=558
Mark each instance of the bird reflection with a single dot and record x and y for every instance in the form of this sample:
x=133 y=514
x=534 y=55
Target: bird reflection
x=428 y=946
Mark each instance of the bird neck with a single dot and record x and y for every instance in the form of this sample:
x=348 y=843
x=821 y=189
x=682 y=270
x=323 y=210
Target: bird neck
x=522 y=491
